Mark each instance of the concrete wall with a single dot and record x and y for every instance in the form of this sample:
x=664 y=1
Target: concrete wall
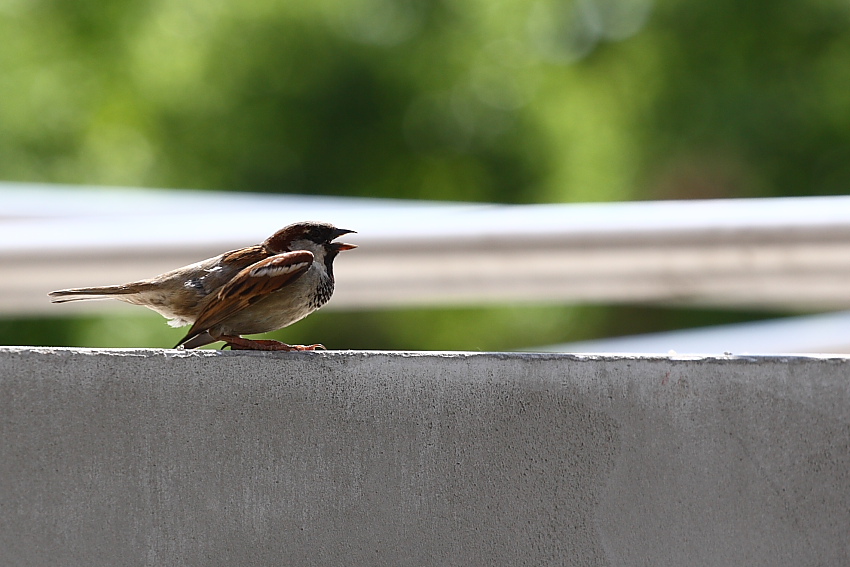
x=158 y=457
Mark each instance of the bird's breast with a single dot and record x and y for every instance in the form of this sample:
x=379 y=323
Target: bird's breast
x=324 y=291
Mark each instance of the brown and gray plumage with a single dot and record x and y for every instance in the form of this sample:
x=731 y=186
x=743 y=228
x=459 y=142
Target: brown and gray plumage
x=257 y=289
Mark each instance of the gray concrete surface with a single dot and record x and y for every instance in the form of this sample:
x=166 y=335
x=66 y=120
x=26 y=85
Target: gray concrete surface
x=152 y=457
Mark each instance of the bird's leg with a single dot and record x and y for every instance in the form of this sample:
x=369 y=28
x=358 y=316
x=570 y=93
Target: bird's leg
x=239 y=343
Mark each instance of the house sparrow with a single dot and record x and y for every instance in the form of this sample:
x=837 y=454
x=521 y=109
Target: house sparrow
x=256 y=289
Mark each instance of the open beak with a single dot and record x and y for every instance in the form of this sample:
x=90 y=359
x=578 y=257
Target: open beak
x=342 y=245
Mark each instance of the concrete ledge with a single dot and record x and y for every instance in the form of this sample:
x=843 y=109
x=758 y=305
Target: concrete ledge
x=162 y=457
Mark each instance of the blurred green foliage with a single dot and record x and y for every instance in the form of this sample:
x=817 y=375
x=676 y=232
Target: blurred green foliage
x=476 y=329
x=498 y=100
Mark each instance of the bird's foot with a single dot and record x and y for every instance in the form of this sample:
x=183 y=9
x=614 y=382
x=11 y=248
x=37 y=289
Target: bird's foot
x=239 y=343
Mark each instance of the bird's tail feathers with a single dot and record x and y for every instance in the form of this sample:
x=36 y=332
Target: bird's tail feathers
x=80 y=293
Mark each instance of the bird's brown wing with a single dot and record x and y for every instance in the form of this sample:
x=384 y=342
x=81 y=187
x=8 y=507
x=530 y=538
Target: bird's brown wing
x=250 y=285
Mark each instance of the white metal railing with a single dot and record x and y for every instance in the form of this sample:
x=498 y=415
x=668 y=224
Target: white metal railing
x=821 y=333
x=792 y=253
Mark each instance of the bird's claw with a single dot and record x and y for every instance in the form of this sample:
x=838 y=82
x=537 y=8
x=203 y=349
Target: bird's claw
x=239 y=343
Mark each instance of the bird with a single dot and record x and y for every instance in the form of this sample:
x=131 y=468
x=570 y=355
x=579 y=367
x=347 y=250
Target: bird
x=250 y=290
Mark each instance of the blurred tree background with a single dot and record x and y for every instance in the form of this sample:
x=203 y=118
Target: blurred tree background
x=513 y=101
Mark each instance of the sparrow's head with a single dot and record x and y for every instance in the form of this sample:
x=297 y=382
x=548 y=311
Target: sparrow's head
x=315 y=237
